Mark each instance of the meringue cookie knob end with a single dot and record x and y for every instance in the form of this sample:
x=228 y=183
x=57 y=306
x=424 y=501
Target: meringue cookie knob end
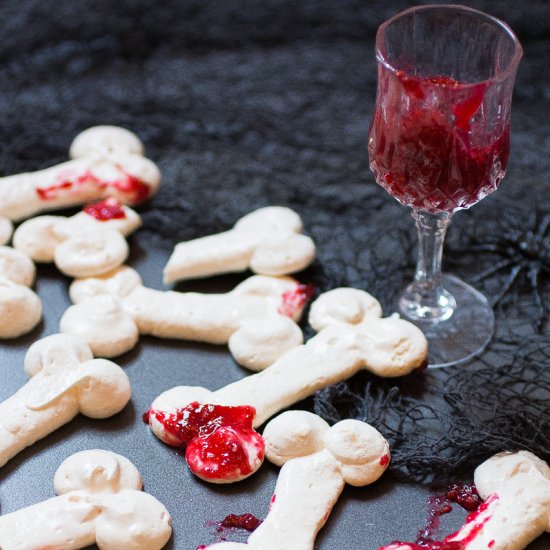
x=103 y=323
x=293 y=434
x=106 y=392
x=283 y=255
x=20 y=309
x=105 y=140
x=343 y=305
x=97 y=471
x=272 y=218
x=50 y=349
x=259 y=343
x=394 y=347
x=363 y=452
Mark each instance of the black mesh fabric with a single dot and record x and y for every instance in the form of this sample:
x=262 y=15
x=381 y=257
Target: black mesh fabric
x=244 y=104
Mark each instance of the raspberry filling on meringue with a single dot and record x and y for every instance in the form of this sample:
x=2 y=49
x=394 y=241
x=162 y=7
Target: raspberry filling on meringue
x=129 y=185
x=108 y=209
x=293 y=301
x=219 y=441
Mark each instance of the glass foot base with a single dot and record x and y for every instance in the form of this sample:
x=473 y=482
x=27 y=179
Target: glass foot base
x=465 y=333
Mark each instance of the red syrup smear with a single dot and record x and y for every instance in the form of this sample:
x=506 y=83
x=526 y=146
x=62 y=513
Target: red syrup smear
x=135 y=189
x=384 y=460
x=463 y=494
x=293 y=301
x=108 y=209
x=219 y=441
x=430 y=160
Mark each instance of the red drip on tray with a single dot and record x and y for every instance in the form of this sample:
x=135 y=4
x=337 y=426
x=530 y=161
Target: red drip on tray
x=466 y=496
x=220 y=441
x=248 y=522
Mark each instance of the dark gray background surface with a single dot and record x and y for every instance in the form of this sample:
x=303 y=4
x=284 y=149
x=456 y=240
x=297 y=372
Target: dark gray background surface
x=363 y=519
x=244 y=104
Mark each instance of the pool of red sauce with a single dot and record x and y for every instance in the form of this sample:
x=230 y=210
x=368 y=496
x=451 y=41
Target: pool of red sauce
x=466 y=496
x=248 y=522
x=219 y=441
x=136 y=189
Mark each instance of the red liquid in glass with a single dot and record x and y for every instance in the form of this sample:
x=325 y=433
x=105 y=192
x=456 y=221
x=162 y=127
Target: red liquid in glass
x=430 y=145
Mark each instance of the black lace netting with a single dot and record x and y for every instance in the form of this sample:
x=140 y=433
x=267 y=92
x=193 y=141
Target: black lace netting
x=246 y=104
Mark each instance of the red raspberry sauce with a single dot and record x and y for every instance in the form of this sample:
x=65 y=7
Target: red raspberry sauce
x=384 y=460
x=423 y=148
x=244 y=521
x=132 y=187
x=293 y=301
x=220 y=441
x=108 y=209
x=467 y=497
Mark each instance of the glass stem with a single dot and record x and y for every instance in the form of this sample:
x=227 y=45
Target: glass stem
x=426 y=299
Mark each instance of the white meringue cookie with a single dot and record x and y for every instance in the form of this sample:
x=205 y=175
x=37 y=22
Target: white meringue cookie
x=248 y=317
x=65 y=381
x=107 y=162
x=20 y=307
x=269 y=241
x=100 y=501
x=81 y=245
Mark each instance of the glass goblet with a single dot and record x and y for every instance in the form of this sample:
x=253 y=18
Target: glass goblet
x=439 y=142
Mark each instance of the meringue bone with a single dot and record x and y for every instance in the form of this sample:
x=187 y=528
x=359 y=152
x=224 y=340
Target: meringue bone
x=102 y=155
x=269 y=241
x=80 y=245
x=387 y=347
x=516 y=491
x=111 y=311
x=317 y=461
x=64 y=380
x=100 y=502
x=20 y=307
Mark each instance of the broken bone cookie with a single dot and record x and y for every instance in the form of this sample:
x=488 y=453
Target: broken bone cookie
x=65 y=380
x=349 y=340
x=257 y=318
x=99 y=501
x=89 y=243
x=107 y=161
x=317 y=461
x=269 y=241
x=20 y=307
x=515 y=488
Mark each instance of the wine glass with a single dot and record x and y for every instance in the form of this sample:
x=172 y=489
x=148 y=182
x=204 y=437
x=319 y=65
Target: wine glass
x=439 y=142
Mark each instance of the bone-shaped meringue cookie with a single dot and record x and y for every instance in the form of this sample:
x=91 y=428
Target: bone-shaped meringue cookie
x=100 y=502
x=317 y=461
x=107 y=162
x=515 y=488
x=352 y=337
x=86 y=244
x=516 y=491
x=112 y=310
x=269 y=241
x=20 y=307
x=65 y=380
